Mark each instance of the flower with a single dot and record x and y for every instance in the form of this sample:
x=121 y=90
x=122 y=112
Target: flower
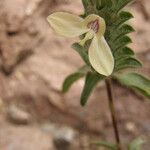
x=94 y=26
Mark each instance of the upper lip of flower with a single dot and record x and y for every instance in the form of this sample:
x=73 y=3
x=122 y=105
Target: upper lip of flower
x=70 y=25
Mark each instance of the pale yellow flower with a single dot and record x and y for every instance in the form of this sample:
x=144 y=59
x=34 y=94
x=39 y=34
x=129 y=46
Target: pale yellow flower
x=99 y=52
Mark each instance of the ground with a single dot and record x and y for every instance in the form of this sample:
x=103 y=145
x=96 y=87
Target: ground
x=34 y=61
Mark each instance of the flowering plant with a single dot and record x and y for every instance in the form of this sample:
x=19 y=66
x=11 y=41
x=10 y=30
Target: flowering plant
x=103 y=33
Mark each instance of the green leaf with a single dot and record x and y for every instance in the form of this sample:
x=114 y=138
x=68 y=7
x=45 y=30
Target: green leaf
x=107 y=145
x=74 y=77
x=136 y=144
x=82 y=52
x=124 y=39
x=90 y=82
x=106 y=3
x=70 y=80
x=121 y=4
x=120 y=43
x=106 y=15
x=137 y=82
x=123 y=52
x=126 y=28
x=123 y=17
x=127 y=63
x=121 y=31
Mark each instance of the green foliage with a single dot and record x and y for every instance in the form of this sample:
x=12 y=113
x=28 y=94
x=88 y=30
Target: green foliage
x=90 y=82
x=136 y=82
x=121 y=31
x=107 y=145
x=116 y=34
x=121 y=4
x=136 y=144
x=116 y=31
x=74 y=77
x=122 y=18
x=125 y=63
x=123 y=52
x=71 y=79
x=120 y=43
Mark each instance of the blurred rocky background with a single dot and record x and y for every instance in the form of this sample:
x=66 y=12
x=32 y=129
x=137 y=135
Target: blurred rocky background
x=34 y=114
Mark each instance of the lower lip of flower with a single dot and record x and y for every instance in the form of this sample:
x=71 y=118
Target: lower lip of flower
x=94 y=25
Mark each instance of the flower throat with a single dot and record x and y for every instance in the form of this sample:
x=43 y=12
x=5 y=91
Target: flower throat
x=94 y=25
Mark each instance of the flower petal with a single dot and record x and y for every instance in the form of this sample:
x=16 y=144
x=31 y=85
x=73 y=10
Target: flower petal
x=100 y=56
x=67 y=24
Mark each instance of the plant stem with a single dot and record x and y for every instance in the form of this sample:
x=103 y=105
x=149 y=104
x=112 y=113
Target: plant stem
x=113 y=113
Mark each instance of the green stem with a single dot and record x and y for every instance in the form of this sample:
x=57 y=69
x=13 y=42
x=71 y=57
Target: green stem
x=113 y=113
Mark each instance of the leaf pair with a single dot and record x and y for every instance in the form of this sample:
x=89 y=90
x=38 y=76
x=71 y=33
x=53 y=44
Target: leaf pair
x=133 y=81
x=92 y=78
x=91 y=81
